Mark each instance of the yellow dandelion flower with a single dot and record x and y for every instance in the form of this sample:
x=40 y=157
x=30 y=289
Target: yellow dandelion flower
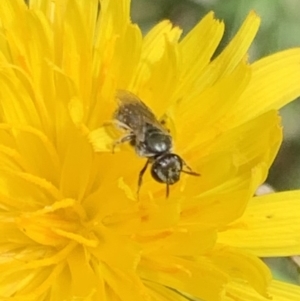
x=72 y=227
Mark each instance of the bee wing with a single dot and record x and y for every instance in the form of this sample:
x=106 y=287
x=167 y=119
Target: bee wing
x=133 y=113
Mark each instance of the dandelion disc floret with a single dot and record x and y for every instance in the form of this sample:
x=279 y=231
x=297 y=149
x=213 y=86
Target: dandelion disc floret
x=72 y=227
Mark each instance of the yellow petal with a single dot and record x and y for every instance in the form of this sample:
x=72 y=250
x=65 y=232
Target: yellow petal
x=154 y=41
x=121 y=285
x=36 y=148
x=162 y=293
x=242 y=150
x=240 y=265
x=24 y=110
x=156 y=89
x=75 y=177
x=232 y=55
x=109 y=253
x=185 y=276
x=281 y=291
x=247 y=147
x=211 y=105
x=278 y=291
x=198 y=47
x=239 y=45
x=101 y=140
x=160 y=52
x=76 y=57
x=30 y=50
x=79 y=263
x=221 y=204
x=181 y=242
x=269 y=227
x=274 y=83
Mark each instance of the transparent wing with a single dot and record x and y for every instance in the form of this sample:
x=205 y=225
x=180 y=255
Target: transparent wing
x=134 y=114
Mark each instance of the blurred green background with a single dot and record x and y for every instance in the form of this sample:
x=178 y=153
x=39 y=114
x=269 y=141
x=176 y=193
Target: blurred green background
x=280 y=29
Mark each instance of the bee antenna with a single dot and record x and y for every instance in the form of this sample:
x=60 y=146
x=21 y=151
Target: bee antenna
x=190 y=172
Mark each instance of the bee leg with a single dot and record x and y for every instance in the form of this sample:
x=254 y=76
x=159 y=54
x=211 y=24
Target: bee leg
x=167 y=190
x=128 y=137
x=141 y=174
x=189 y=171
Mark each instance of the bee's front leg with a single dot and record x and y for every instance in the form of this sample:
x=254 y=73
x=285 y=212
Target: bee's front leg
x=128 y=137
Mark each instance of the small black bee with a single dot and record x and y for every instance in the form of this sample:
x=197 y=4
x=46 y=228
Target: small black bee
x=150 y=139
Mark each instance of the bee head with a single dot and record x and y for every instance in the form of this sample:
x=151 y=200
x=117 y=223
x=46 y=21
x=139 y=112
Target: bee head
x=166 y=168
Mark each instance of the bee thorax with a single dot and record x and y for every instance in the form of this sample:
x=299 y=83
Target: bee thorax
x=158 y=142
x=154 y=144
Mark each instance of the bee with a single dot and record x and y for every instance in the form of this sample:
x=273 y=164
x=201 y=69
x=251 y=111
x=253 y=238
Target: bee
x=150 y=140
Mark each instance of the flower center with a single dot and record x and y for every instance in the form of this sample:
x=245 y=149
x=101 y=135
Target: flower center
x=55 y=225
